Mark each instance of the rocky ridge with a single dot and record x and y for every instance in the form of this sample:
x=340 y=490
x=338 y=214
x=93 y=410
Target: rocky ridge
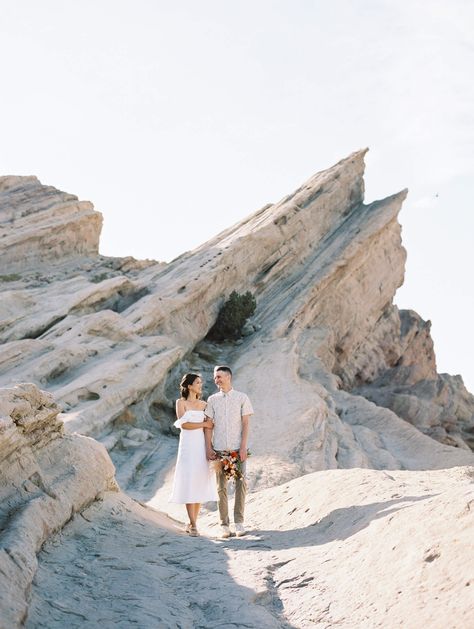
x=109 y=337
x=339 y=378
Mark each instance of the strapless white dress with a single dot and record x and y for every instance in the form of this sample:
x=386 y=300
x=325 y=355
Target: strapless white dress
x=194 y=477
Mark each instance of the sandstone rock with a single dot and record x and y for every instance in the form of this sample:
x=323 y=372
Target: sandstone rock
x=440 y=408
x=334 y=534
x=248 y=329
x=338 y=376
x=46 y=477
x=39 y=224
x=139 y=435
x=130 y=443
x=347 y=548
x=324 y=268
x=404 y=379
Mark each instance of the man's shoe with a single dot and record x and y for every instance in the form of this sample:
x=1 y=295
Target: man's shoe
x=225 y=531
x=240 y=529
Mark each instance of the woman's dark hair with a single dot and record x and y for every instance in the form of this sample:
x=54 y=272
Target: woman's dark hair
x=186 y=380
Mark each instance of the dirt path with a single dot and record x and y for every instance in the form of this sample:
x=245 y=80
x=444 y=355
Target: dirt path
x=119 y=564
x=345 y=548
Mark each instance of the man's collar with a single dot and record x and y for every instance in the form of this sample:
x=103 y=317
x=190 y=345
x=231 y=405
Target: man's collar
x=227 y=392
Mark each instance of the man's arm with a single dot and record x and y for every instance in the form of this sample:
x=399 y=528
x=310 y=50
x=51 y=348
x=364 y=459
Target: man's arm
x=245 y=437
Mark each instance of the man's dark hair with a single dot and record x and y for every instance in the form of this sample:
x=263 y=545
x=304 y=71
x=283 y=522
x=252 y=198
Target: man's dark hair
x=223 y=368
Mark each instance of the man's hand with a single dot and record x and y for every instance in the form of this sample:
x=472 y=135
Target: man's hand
x=211 y=455
x=244 y=441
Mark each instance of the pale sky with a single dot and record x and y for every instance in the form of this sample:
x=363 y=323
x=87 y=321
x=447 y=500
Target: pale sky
x=178 y=119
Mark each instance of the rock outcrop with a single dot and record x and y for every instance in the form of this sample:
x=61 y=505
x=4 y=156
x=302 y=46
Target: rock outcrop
x=39 y=225
x=345 y=548
x=110 y=337
x=338 y=376
x=45 y=477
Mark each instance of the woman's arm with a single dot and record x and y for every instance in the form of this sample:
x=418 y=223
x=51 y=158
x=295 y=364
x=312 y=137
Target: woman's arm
x=180 y=408
x=180 y=411
x=194 y=425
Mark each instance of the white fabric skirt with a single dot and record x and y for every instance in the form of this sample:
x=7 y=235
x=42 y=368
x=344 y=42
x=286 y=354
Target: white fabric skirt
x=194 y=477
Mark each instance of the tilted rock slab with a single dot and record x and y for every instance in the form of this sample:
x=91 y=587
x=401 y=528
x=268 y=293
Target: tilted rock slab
x=337 y=375
x=111 y=341
x=45 y=477
x=42 y=224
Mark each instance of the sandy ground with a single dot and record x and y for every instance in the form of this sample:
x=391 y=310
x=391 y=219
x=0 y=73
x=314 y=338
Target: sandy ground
x=119 y=564
x=346 y=548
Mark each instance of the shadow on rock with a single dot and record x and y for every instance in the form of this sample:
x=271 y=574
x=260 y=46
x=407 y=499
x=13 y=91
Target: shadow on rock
x=340 y=524
x=118 y=564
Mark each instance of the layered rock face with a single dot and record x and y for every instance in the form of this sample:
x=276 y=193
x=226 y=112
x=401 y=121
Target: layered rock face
x=331 y=537
x=39 y=225
x=338 y=377
x=110 y=338
x=45 y=477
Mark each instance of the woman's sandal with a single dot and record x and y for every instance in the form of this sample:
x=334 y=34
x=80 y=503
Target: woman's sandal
x=193 y=532
x=187 y=529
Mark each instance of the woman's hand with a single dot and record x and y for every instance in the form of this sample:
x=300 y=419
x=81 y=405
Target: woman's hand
x=208 y=424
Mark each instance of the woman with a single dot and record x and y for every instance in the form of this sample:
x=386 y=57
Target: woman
x=194 y=480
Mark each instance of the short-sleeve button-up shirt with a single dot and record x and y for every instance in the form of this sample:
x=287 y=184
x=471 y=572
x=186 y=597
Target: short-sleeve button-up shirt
x=226 y=411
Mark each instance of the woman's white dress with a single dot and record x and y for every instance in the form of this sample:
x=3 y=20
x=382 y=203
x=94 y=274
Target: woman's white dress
x=194 y=478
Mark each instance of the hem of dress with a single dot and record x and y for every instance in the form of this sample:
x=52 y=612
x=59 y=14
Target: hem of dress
x=193 y=501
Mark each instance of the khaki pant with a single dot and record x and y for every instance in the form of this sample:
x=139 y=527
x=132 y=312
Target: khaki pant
x=240 y=493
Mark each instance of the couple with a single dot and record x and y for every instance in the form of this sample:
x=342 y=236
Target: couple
x=208 y=433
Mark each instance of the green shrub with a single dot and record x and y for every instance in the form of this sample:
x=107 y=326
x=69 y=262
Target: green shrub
x=12 y=277
x=99 y=278
x=232 y=316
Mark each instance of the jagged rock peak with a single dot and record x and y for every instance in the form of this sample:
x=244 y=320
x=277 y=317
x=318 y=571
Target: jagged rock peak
x=323 y=266
x=328 y=195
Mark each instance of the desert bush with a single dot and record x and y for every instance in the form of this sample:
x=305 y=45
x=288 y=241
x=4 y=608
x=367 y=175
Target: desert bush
x=232 y=316
x=101 y=277
x=12 y=277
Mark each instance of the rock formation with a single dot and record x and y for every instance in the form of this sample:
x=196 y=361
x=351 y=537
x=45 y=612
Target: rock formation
x=45 y=477
x=339 y=377
x=346 y=548
x=39 y=225
x=109 y=337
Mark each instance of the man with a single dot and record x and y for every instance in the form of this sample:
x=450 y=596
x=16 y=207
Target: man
x=230 y=411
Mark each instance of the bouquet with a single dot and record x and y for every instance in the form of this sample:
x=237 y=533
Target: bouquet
x=230 y=463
